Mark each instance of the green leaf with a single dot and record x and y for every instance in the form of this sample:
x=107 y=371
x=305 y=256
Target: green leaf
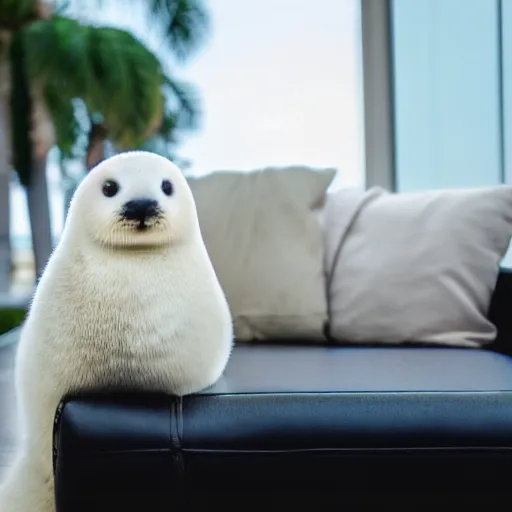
x=183 y=98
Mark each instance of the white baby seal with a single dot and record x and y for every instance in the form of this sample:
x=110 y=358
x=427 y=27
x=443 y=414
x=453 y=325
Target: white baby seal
x=129 y=300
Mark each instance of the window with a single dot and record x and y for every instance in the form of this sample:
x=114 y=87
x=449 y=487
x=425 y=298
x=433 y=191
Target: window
x=279 y=83
x=447 y=98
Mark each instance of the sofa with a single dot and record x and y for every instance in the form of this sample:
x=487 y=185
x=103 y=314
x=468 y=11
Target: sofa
x=304 y=425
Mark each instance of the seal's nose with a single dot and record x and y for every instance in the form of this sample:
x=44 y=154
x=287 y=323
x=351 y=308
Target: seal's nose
x=140 y=209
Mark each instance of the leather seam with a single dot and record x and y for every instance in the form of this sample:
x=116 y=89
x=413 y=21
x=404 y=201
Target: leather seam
x=317 y=394
x=175 y=438
x=461 y=449
x=226 y=451
x=178 y=469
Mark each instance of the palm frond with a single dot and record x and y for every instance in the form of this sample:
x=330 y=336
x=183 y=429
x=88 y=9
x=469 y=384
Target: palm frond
x=131 y=78
x=67 y=127
x=165 y=141
x=181 y=113
x=59 y=54
x=117 y=77
x=169 y=126
x=184 y=99
x=186 y=23
x=57 y=61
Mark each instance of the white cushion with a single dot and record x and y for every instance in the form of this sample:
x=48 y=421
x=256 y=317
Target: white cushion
x=416 y=267
x=262 y=233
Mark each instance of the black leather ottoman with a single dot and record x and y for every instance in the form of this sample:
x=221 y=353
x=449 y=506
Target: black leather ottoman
x=298 y=425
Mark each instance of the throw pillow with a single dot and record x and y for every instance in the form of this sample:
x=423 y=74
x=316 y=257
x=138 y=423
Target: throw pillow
x=415 y=267
x=262 y=233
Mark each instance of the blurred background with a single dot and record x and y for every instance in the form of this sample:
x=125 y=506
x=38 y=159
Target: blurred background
x=405 y=94
x=246 y=84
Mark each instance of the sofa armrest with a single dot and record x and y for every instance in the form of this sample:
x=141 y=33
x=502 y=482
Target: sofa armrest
x=500 y=311
x=114 y=454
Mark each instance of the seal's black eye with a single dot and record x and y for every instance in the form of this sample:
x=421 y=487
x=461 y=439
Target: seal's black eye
x=167 y=187
x=110 y=188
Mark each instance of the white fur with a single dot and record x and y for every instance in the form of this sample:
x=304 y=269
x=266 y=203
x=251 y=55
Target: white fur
x=116 y=309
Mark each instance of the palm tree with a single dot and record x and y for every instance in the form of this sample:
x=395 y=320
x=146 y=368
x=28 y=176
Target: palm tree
x=13 y=14
x=55 y=61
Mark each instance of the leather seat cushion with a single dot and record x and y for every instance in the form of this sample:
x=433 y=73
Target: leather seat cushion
x=346 y=419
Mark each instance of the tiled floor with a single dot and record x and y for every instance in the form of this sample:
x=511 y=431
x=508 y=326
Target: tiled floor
x=7 y=406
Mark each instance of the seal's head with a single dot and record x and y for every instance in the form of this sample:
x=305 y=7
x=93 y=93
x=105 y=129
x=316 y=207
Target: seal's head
x=134 y=200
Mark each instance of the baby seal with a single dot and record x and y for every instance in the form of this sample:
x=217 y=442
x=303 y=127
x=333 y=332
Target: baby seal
x=129 y=300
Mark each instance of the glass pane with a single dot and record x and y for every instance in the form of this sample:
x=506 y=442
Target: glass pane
x=506 y=35
x=447 y=93
x=507 y=86
x=280 y=85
